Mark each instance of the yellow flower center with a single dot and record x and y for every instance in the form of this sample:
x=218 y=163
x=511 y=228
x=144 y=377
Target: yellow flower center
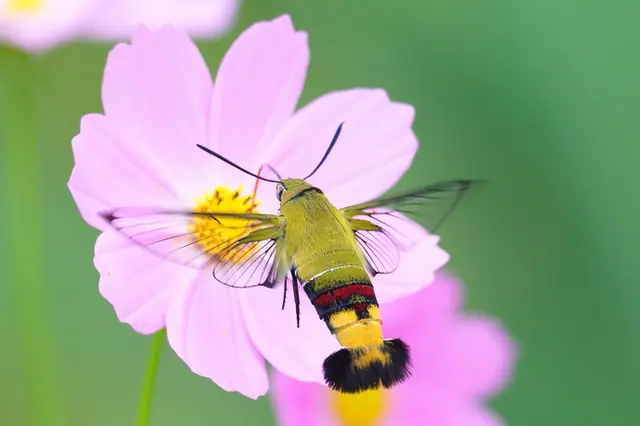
x=215 y=235
x=24 y=6
x=360 y=409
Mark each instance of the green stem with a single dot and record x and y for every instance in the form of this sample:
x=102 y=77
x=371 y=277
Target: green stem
x=25 y=216
x=144 y=410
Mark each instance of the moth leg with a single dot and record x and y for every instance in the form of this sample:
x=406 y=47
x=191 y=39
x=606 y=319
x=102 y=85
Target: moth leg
x=284 y=294
x=296 y=295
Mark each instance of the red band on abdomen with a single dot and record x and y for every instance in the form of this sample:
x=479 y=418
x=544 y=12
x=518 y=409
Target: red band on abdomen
x=340 y=296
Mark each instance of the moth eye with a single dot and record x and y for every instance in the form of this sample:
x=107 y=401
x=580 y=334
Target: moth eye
x=279 y=191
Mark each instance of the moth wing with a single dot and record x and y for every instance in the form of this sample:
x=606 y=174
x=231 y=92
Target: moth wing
x=378 y=246
x=257 y=259
x=382 y=227
x=245 y=253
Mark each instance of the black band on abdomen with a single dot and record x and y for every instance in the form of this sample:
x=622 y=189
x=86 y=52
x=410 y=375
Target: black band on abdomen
x=329 y=300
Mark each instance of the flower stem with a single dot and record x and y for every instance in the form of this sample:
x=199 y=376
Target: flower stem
x=25 y=226
x=144 y=409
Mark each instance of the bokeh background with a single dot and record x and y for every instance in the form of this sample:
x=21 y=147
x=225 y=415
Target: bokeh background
x=541 y=98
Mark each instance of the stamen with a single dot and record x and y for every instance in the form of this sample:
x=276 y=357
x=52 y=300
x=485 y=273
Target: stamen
x=361 y=409
x=24 y=6
x=218 y=235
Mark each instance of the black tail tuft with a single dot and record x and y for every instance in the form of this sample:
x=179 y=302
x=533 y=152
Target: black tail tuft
x=356 y=370
x=398 y=370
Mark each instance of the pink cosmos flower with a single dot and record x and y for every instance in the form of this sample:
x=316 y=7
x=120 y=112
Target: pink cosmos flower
x=37 y=25
x=159 y=102
x=458 y=362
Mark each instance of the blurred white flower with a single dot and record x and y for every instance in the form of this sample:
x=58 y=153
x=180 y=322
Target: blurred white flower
x=38 y=25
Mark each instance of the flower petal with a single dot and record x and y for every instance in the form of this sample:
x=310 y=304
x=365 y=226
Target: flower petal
x=476 y=415
x=434 y=308
x=298 y=403
x=428 y=322
x=417 y=266
x=138 y=284
x=206 y=329
x=486 y=369
x=158 y=89
x=411 y=404
x=105 y=176
x=257 y=87
x=425 y=322
x=375 y=148
x=297 y=352
x=200 y=18
x=49 y=25
x=472 y=356
x=419 y=404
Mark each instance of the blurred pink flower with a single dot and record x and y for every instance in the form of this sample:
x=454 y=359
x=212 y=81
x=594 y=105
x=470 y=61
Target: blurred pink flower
x=458 y=362
x=159 y=102
x=37 y=25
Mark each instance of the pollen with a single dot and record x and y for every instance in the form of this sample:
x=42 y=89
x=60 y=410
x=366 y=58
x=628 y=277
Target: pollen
x=360 y=409
x=24 y=6
x=217 y=234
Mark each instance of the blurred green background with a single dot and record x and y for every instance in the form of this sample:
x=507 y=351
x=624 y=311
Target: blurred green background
x=539 y=97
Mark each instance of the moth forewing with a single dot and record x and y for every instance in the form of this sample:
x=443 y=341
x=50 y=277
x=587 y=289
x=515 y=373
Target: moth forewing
x=171 y=234
x=429 y=205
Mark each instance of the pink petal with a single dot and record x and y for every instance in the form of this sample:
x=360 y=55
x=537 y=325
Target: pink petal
x=206 y=329
x=157 y=90
x=52 y=24
x=477 y=415
x=417 y=266
x=481 y=356
x=200 y=18
x=433 y=308
x=470 y=356
x=297 y=403
x=297 y=352
x=138 y=284
x=416 y=404
x=425 y=322
x=106 y=176
x=375 y=148
x=257 y=88
x=300 y=404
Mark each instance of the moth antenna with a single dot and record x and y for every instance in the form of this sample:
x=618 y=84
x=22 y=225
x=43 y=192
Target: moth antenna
x=326 y=154
x=231 y=163
x=275 y=172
